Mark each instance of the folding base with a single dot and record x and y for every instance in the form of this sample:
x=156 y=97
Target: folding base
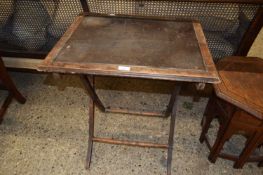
x=90 y=88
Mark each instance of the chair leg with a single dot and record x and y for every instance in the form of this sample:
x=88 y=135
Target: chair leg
x=207 y=118
x=210 y=106
x=223 y=135
x=247 y=151
x=206 y=124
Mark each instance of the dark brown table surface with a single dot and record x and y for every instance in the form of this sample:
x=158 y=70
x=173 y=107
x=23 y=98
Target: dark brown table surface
x=128 y=47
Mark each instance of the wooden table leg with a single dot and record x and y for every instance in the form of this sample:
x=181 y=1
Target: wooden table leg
x=91 y=132
x=172 y=126
x=6 y=103
x=172 y=107
x=171 y=103
x=91 y=125
x=88 y=82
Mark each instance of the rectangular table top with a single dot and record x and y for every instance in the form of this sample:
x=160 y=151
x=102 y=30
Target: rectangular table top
x=133 y=47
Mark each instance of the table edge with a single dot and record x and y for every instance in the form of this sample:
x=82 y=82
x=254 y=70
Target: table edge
x=209 y=75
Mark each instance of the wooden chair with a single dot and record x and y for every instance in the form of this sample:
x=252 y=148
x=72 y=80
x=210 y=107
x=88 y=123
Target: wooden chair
x=238 y=105
x=7 y=83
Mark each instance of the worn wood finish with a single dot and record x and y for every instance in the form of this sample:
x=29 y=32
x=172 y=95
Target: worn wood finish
x=232 y=157
x=128 y=111
x=242 y=83
x=129 y=143
x=232 y=121
x=171 y=132
x=111 y=42
x=252 y=144
x=8 y=84
x=91 y=121
x=133 y=42
x=171 y=102
x=240 y=111
x=88 y=84
x=21 y=63
x=60 y=44
x=133 y=47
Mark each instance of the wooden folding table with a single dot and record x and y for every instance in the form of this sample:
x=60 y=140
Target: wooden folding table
x=132 y=47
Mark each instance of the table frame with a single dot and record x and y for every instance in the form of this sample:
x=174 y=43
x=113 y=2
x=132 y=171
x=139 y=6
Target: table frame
x=89 y=70
x=89 y=82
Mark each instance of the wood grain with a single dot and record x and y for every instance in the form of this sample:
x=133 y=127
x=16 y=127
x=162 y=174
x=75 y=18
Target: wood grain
x=189 y=60
x=242 y=83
